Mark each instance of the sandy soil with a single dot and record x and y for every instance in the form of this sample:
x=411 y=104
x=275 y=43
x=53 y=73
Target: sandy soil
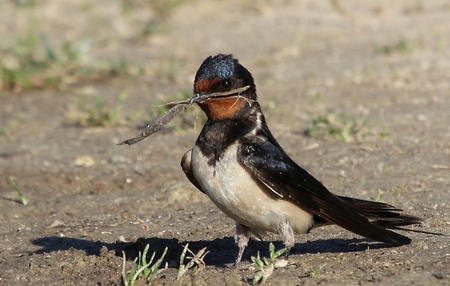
x=387 y=63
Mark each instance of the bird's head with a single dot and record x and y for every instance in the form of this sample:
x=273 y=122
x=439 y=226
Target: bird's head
x=223 y=73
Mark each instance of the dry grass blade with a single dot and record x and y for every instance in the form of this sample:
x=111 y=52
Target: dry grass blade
x=156 y=124
x=161 y=120
x=195 y=260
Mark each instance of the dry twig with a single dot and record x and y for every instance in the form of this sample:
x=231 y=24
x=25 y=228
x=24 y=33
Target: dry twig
x=160 y=121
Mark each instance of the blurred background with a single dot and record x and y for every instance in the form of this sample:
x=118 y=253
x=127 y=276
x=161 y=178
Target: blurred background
x=357 y=92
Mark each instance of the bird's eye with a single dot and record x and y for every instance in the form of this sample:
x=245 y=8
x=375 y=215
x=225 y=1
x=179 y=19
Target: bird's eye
x=226 y=83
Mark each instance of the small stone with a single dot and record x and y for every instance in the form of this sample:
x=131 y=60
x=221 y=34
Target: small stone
x=421 y=117
x=311 y=146
x=117 y=159
x=56 y=223
x=84 y=161
x=281 y=263
x=422 y=245
x=103 y=251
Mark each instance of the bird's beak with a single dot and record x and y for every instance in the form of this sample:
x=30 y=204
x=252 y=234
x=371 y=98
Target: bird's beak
x=199 y=97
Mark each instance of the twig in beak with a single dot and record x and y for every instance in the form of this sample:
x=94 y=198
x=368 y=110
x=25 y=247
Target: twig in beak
x=155 y=125
x=158 y=122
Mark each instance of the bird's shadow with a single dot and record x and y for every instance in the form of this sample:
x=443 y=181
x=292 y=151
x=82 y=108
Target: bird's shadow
x=222 y=251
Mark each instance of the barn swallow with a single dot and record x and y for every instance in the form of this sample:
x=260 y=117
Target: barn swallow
x=240 y=166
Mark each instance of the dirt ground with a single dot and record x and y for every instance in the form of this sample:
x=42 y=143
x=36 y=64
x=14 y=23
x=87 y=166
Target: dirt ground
x=383 y=64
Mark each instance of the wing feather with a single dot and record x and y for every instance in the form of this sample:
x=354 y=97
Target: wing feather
x=268 y=163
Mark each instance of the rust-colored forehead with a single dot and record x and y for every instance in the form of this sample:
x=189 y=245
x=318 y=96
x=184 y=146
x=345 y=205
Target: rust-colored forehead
x=204 y=85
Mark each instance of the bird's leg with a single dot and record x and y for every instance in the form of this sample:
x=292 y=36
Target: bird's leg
x=287 y=234
x=242 y=237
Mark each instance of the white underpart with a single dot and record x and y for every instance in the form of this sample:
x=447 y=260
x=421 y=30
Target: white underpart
x=241 y=197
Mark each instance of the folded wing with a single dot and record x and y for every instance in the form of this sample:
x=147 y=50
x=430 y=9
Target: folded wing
x=268 y=163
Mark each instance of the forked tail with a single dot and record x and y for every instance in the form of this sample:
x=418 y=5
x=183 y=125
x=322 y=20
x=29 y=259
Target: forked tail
x=385 y=215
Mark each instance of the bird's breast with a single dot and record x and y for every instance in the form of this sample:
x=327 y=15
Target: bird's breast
x=242 y=197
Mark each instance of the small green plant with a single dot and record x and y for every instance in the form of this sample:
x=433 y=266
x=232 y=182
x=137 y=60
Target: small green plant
x=95 y=112
x=152 y=27
x=9 y=127
x=384 y=133
x=314 y=98
x=32 y=61
x=24 y=3
x=100 y=115
x=195 y=260
x=338 y=126
x=265 y=266
x=378 y=196
x=141 y=269
x=314 y=272
x=123 y=67
x=400 y=46
x=22 y=196
x=163 y=8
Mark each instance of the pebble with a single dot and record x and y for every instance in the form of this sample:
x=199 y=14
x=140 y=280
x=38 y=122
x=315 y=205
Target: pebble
x=118 y=159
x=56 y=223
x=84 y=161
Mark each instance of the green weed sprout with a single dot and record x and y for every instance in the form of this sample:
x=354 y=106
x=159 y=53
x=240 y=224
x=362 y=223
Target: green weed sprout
x=266 y=265
x=22 y=197
x=141 y=269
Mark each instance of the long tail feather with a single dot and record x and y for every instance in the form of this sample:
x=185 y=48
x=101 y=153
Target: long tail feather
x=382 y=214
x=418 y=231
